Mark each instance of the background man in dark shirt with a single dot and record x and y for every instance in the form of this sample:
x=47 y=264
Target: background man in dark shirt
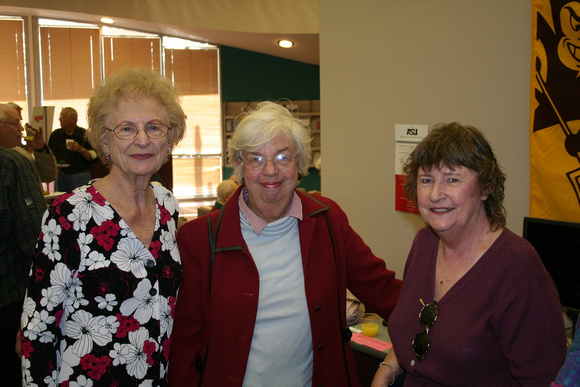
x=70 y=147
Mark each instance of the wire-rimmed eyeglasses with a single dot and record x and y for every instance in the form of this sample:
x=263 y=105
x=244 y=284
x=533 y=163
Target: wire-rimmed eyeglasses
x=128 y=132
x=427 y=317
x=281 y=161
x=16 y=123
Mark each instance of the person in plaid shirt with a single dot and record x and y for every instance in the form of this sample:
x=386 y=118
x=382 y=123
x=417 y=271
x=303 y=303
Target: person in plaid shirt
x=21 y=208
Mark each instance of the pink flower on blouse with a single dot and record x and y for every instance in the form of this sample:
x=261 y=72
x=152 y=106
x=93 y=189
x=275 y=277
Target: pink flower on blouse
x=103 y=288
x=97 y=197
x=154 y=248
x=57 y=317
x=167 y=273
x=64 y=223
x=95 y=366
x=149 y=349
x=126 y=324
x=105 y=233
x=57 y=202
x=26 y=346
x=166 y=345
x=38 y=274
x=171 y=303
x=165 y=215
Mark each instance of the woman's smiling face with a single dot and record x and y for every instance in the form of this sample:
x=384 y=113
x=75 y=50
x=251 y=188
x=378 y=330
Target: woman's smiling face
x=450 y=200
x=141 y=155
x=272 y=187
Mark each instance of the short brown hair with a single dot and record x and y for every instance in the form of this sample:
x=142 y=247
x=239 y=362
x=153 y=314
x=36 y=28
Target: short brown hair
x=455 y=145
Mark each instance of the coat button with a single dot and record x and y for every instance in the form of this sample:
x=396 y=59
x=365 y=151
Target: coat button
x=152 y=291
x=320 y=347
x=317 y=308
x=150 y=263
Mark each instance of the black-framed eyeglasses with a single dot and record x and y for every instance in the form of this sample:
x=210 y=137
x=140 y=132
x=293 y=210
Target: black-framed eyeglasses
x=427 y=317
x=281 y=161
x=128 y=132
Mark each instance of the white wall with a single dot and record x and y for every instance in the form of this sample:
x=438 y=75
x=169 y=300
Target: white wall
x=387 y=62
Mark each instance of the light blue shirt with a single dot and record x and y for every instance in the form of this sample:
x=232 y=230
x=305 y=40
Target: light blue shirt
x=281 y=350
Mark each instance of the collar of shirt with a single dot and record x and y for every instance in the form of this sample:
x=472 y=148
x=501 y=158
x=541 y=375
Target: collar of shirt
x=257 y=223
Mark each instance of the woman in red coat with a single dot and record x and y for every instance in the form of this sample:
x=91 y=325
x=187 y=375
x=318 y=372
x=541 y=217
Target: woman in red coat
x=263 y=296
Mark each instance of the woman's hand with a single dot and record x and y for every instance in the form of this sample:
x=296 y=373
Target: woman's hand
x=384 y=375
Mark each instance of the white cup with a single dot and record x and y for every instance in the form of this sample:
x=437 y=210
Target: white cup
x=69 y=143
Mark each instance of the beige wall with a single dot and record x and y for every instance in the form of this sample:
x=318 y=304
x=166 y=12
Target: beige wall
x=387 y=62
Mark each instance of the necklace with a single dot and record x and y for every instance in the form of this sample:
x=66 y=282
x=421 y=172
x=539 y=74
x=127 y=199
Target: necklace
x=450 y=273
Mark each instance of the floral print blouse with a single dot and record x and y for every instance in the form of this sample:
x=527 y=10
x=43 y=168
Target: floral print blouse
x=99 y=306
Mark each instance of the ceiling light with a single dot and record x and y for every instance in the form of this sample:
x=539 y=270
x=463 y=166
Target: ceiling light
x=107 y=20
x=285 y=43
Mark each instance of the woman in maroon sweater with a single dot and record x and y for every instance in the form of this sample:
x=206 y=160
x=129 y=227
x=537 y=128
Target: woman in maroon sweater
x=477 y=306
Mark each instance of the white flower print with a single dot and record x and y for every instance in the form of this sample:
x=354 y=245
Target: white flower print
x=133 y=354
x=83 y=202
x=131 y=256
x=37 y=327
x=167 y=200
x=84 y=240
x=51 y=231
x=52 y=251
x=110 y=326
x=27 y=378
x=93 y=261
x=125 y=229
x=82 y=381
x=27 y=311
x=86 y=329
x=65 y=361
x=51 y=380
x=119 y=353
x=63 y=283
x=74 y=280
x=75 y=299
x=107 y=302
x=166 y=321
x=168 y=242
x=79 y=219
x=143 y=304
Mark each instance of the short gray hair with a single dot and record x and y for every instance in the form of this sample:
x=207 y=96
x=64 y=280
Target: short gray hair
x=264 y=123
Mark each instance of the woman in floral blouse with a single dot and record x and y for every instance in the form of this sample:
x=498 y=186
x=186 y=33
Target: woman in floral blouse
x=103 y=285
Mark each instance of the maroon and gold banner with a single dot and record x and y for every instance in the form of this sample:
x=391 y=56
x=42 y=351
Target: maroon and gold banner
x=555 y=111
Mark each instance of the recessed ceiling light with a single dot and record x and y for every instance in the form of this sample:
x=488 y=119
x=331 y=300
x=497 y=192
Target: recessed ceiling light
x=285 y=43
x=107 y=20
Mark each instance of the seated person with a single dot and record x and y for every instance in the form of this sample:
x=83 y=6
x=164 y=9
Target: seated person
x=355 y=309
x=225 y=190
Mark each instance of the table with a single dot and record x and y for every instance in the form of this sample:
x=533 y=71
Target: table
x=367 y=359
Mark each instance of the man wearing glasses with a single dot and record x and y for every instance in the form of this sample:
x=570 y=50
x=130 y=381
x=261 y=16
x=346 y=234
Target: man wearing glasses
x=73 y=152
x=36 y=150
x=21 y=208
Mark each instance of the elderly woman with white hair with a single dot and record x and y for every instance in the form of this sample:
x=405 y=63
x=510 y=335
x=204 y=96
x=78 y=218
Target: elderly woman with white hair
x=263 y=296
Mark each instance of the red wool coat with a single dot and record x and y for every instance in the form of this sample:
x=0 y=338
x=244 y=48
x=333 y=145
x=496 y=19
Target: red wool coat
x=226 y=315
